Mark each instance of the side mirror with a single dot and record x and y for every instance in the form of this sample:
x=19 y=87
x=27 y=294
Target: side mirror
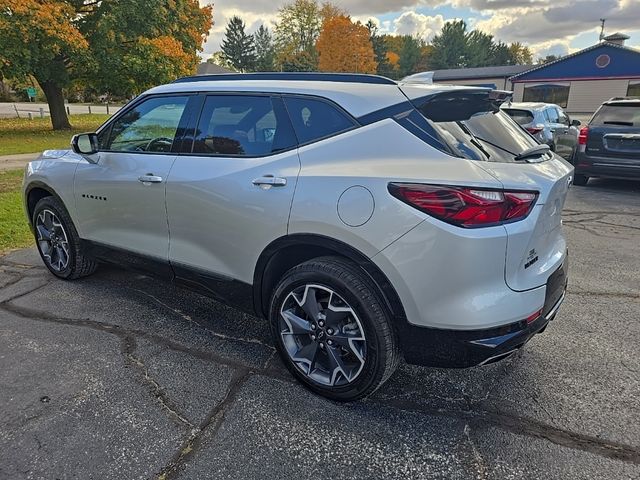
x=575 y=123
x=85 y=143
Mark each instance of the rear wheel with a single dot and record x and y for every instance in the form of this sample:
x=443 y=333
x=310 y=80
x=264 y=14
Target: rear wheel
x=58 y=241
x=332 y=330
x=580 y=180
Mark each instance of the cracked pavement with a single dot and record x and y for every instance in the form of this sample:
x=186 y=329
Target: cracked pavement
x=120 y=376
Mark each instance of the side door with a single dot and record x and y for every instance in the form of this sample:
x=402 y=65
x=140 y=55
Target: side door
x=569 y=137
x=231 y=195
x=120 y=197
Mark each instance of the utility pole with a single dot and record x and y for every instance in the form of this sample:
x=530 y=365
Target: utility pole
x=602 y=20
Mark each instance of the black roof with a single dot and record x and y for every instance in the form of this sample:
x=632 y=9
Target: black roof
x=297 y=76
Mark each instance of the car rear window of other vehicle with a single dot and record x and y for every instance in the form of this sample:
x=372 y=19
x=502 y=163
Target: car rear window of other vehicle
x=471 y=125
x=523 y=117
x=314 y=119
x=624 y=115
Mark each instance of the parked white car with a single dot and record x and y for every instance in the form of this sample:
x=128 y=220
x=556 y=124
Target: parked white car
x=365 y=219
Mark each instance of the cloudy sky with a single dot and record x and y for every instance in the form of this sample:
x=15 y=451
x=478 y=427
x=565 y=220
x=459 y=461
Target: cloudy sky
x=547 y=26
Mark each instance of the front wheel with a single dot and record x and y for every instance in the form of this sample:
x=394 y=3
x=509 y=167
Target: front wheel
x=332 y=330
x=58 y=241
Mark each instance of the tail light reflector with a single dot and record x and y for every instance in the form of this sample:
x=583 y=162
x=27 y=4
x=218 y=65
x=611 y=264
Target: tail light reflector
x=534 y=130
x=467 y=207
x=583 y=136
x=534 y=316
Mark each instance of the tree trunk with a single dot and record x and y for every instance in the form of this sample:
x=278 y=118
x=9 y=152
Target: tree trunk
x=57 y=110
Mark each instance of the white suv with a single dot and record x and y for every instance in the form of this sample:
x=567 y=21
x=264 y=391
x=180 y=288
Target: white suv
x=365 y=219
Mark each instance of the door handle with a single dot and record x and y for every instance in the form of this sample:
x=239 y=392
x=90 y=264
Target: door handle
x=149 y=178
x=269 y=181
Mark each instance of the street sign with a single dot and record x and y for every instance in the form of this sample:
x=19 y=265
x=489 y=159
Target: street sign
x=31 y=92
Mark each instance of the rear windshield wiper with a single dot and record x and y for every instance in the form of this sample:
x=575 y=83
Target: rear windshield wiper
x=616 y=122
x=535 y=151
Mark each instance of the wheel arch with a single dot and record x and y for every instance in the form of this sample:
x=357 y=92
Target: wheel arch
x=291 y=250
x=34 y=192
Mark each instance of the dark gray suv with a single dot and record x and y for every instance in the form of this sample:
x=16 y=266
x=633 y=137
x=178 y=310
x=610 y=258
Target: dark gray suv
x=609 y=145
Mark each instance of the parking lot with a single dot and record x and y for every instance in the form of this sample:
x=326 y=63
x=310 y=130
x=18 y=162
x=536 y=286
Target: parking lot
x=119 y=376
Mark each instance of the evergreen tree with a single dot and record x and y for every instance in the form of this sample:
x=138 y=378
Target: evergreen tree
x=450 y=46
x=380 y=50
x=265 y=51
x=239 y=47
x=410 y=55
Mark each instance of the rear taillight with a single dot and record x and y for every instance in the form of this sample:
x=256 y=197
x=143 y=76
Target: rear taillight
x=534 y=130
x=583 y=136
x=468 y=207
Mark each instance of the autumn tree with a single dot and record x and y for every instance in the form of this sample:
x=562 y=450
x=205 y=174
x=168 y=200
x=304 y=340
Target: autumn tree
x=265 y=52
x=238 y=46
x=344 y=46
x=117 y=47
x=297 y=29
x=520 y=54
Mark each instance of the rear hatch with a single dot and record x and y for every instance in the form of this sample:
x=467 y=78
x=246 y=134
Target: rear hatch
x=614 y=132
x=470 y=124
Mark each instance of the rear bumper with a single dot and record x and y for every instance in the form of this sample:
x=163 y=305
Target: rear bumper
x=611 y=167
x=468 y=348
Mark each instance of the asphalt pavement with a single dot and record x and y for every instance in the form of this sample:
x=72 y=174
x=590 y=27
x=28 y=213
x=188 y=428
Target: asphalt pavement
x=118 y=376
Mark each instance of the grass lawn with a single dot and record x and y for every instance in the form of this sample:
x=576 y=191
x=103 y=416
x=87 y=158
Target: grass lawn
x=14 y=230
x=21 y=135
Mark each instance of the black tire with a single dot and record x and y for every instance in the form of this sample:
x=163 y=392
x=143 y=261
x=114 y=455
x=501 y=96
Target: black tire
x=352 y=285
x=78 y=263
x=580 y=180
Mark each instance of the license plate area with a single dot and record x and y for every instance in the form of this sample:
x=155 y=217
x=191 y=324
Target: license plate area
x=556 y=286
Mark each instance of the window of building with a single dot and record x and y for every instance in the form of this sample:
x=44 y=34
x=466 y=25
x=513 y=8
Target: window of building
x=557 y=93
x=314 y=119
x=633 y=90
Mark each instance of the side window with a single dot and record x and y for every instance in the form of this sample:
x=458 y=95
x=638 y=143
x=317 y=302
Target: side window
x=552 y=115
x=313 y=119
x=150 y=126
x=562 y=117
x=243 y=126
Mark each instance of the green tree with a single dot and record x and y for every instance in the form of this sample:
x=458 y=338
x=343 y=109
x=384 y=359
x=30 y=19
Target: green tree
x=450 y=46
x=380 y=50
x=239 y=47
x=479 y=49
x=520 y=54
x=409 y=55
x=117 y=47
x=265 y=51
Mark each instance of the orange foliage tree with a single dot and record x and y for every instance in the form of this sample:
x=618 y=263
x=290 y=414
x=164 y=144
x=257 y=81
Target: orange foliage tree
x=117 y=47
x=345 y=46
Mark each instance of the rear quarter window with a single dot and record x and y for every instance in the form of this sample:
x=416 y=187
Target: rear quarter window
x=314 y=119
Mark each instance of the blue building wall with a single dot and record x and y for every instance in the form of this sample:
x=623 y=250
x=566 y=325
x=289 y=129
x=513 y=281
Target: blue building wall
x=623 y=63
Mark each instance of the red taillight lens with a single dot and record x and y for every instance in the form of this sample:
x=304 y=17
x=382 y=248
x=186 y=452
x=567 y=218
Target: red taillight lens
x=534 y=316
x=466 y=206
x=583 y=136
x=534 y=130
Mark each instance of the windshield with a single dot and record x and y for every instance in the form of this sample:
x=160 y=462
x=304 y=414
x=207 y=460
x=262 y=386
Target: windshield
x=473 y=126
x=617 y=115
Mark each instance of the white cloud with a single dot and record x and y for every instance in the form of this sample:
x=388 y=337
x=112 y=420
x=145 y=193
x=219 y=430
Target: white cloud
x=412 y=23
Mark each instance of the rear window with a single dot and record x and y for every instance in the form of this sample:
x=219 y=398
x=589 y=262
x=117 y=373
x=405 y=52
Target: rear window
x=523 y=117
x=626 y=115
x=472 y=126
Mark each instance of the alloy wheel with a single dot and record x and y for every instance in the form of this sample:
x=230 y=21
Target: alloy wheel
x=52 y=240
x=322 y=335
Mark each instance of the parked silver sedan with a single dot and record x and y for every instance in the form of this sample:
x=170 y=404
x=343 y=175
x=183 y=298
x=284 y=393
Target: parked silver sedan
x=548 y=123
